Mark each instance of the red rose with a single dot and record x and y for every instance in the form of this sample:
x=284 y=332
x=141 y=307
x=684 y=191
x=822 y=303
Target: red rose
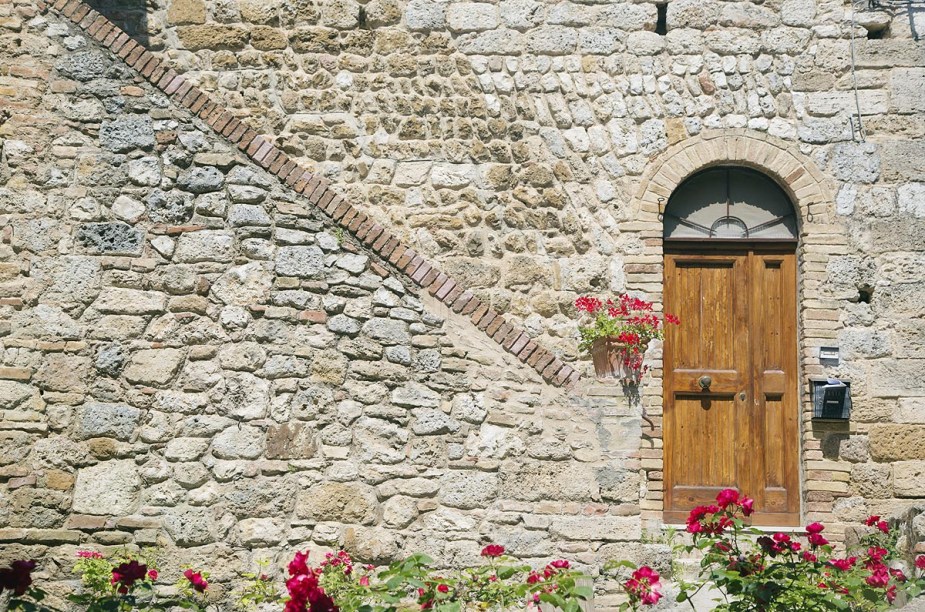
x=747 y=504
x=196 y=581
x=152 y=574
x=493 y=550
x=727 y=497
x=442 y=588
x=816 y=539
x=815 y=528
x=920 y=562
x=872 y=520
x=299 y=564
x=17 y=577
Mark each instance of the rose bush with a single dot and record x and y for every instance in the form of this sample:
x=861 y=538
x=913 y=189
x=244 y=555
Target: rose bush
x=756 y=571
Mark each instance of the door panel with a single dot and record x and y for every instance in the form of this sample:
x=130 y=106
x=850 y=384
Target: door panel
x=738 y=327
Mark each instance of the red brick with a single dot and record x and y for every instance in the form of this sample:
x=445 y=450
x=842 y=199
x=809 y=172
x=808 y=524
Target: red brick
x=434 y=280
x=418 y=275
x=119 y=42
x=552 y=369
x=518 y=345
x=340 y=211
x=356 y=222
x=453 y=295
x=98 y=23
x=324 y=200
x=249 y=136
x=192 y=94
x=512 y=338
x=373 y=233
x=215 y=114
x=200 y=102
x=271 y=158
x=331 y=206
x=492 y=328
x=537 y=354
x=525 y=353
x=281 y=160
x=127 y=49
x=313 y=316
x=254 y=147
x=544 y=361
x=230 y=127
x=60 y=4
x=447 y=290
x=381 y=241
x=404 y=258
x=70 y=7
x=221 y=121
x=562 y=375
x=88 y=20
x=103 y=31
x=293 y=175
x=348 y=217
x=79 y=13
x=111 y=38
x=416 y=262
x=134 y=56
x=174 y=84
x=470 y=307
x=460 y=302
x=573 y=379
x=303 y=181
x=481 y=309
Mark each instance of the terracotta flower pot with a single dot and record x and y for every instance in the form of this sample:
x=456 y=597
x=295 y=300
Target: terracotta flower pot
x=609 y=356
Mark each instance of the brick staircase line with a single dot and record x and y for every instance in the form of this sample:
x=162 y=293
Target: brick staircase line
x=318 y=190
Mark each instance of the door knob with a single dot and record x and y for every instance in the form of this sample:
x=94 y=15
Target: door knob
x=705 y=382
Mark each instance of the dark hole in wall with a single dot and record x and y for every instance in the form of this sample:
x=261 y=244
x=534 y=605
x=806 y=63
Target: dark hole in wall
x=864 y=294
x=130 y=15
x=661 y=25
x=877 y=34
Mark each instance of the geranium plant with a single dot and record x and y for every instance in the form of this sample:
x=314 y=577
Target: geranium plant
x=778 y=572
x=627 y=323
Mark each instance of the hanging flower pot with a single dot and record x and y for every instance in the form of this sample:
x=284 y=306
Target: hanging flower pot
x=610 y=359
x=619 y=333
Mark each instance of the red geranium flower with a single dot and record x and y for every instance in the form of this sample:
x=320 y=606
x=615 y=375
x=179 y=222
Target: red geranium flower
x=872 y=520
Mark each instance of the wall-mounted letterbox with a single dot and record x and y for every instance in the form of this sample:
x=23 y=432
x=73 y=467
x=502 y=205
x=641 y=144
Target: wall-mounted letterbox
x=831 y=399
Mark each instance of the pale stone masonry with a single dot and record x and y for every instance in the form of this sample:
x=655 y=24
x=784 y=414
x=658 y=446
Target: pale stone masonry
x=246 y=272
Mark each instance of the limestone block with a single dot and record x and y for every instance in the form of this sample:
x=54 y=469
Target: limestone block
x=909 y=478
x=904 y=160
x=871 y=480
x=300 y=261
x=800 y=13
x=329 y=367
x=467 y=489
x=118 y=300
x=174 y=207
x=127 y=132
x=145 y=171
x=12 y=393
x=238 y=442
x=241 y=215
x=128 y=209
x=387 y=331
x=185 y=449
x=607 y=528
x=291 y=441
x=261 y=532
x=110 y=238
x=339 y=501
x=428 y=422
x=415 y=395
x=548 y=480
x=212 y=204
x=551 y=40
x=190 y=526
x=107 y=420
x=492 y=42
x=425 y=14
x=244 y=285
x=910 y=200
x=108 y=488
x=45 y=321
x=897 y=442
x=246 y=396
x=521 y=14
x=183 y=12
x=84 y=65
x=372 y=544
x=855 y=162
x=259 y=11
x=472 y=16
x=212 y=36
x=206 y=245
x=201 y=179
x=153 y=366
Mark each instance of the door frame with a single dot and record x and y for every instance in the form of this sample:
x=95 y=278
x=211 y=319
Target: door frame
x=713 y=246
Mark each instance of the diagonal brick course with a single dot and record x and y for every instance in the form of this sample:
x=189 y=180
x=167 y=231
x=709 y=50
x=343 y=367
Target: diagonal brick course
x=317 y=190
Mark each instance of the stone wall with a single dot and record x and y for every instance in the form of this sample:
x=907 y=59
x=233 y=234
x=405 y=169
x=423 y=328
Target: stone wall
x=195 y=358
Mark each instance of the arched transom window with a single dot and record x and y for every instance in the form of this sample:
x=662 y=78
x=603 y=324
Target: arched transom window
x=729 y=203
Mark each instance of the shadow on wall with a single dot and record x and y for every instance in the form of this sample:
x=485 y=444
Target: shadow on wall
x=130 y=15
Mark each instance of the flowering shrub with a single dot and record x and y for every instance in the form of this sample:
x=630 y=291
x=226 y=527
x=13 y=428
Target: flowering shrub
x=124 y=583
x=16 y=587
x=780 y=572
x=629 y=321
x=336 y=584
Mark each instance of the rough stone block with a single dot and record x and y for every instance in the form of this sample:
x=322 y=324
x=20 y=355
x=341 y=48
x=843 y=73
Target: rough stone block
x=107 y=420
x=110 y=239
x=339 y=501
x=909 y=478
x=127 y=132
x=153 y=366
x=108 y=488
x=897 y=442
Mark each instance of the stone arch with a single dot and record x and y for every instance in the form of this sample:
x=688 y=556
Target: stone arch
x=779 y=159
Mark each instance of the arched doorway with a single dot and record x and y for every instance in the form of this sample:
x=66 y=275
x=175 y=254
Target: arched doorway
x=731 y=394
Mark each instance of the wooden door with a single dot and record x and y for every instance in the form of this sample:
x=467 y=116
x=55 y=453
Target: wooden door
x=731 y=414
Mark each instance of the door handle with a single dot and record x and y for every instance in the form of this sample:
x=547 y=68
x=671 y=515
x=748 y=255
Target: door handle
x=705 y=382
x=741 y=396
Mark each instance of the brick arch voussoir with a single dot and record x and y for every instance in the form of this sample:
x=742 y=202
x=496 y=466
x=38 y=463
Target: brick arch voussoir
x=801 y=179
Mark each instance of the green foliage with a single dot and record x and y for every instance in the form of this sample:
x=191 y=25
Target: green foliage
x=258 y=589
